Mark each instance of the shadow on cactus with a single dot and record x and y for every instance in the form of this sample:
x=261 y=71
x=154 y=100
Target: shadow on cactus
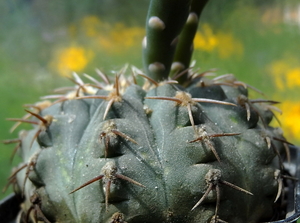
x=182 y=147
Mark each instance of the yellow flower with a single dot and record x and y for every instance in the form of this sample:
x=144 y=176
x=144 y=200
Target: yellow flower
x=92 y=26
x=290 y=119
x=293 y=77
x=277 y=70
x=224 y=43
x=285 y=73
x=229 y=46
x=205 y=40
x=71 y=59
x=120 y=38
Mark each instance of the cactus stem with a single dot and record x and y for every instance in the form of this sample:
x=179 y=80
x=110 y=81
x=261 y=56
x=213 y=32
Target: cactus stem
x=164 y=23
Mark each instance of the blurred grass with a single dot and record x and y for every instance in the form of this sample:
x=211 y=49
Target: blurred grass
x=42 y=41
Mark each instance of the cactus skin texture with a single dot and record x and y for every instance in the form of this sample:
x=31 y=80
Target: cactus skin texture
x=152 y=163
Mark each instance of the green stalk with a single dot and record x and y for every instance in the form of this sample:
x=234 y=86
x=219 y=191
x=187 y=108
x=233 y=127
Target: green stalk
x=165 y=21
x=185 y=47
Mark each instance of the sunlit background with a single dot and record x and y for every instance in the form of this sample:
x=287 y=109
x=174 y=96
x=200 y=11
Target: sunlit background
x=42 y=42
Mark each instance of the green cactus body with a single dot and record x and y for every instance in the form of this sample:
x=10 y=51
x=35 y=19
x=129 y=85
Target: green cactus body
x=195 y=151
x=154 y=165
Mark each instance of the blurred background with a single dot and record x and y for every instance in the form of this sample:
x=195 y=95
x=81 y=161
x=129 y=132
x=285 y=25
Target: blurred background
x=42 y=42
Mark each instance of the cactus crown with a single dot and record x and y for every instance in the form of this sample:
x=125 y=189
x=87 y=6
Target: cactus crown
x=198 y=151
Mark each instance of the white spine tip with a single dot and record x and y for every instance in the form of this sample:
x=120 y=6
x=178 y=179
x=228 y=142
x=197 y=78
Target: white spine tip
x=193 y=18
x=177 y=66
x=156 y=67
x=144 y=42
x=156 y=23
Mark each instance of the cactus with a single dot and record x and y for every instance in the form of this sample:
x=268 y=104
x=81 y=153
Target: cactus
x=181 y=149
